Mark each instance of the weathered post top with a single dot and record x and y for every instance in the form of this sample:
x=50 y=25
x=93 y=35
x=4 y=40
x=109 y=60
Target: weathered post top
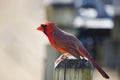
x=73 y=69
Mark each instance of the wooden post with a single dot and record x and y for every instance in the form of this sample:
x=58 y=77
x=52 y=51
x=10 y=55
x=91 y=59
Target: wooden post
x=73 y=69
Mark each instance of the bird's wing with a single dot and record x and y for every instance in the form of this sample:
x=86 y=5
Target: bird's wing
x=66 y=42
x=62 y=39
x=69 y=42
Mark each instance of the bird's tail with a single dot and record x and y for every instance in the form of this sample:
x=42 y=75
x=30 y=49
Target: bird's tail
x=99 y=69
x=83 y=53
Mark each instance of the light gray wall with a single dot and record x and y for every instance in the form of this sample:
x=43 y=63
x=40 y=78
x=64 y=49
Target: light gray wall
x=22 y=48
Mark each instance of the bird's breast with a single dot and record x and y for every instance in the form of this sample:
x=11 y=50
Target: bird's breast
x=55 y=45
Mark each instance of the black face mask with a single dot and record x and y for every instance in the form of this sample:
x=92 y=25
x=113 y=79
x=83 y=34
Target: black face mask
x=44 y=28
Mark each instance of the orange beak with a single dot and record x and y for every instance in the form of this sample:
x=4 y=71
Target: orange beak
x=40 y=28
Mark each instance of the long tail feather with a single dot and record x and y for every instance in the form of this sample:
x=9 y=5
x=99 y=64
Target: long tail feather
x=99 y=68
x=83 y=53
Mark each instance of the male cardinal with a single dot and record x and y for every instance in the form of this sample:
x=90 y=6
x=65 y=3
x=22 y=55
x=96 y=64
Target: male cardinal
x=67 y=43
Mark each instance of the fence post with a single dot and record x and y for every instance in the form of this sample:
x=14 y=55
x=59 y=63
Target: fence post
x=73 y=69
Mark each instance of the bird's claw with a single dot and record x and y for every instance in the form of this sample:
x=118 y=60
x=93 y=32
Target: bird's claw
x=61 y=58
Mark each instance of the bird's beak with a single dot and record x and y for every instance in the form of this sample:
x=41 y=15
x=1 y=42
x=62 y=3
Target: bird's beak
x=40 y=28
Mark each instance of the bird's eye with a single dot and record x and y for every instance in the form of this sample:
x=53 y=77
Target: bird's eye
x=43 y=25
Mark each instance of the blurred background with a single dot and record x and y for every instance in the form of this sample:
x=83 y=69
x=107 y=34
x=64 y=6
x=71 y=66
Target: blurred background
x=25 y=54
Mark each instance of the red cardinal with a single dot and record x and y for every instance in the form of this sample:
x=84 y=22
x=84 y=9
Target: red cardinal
x=67 y=43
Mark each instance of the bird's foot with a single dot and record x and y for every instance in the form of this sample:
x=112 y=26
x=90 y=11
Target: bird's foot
x=61 y=58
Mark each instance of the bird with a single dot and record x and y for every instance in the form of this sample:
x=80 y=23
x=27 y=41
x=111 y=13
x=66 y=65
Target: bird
x=67 y=43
